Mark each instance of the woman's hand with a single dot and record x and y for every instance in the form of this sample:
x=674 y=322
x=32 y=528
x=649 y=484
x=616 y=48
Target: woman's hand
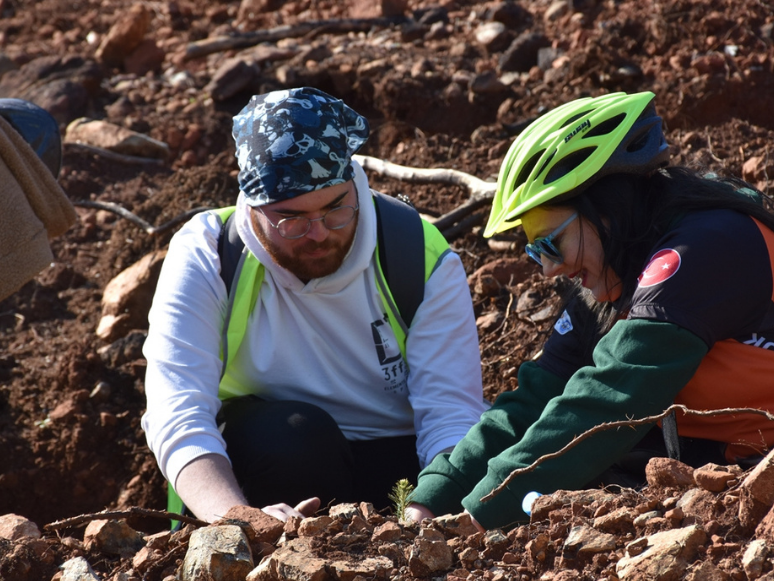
x=283 y=511
x=475 y=522
x=417 y=512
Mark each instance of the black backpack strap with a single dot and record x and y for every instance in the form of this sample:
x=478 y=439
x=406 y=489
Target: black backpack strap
x=401 y=240
x=230 y=247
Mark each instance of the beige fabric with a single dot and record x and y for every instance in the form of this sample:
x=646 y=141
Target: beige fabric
x=33 y=208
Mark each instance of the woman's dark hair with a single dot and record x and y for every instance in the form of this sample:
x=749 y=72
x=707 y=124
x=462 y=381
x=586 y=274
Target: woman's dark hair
x=632 y=212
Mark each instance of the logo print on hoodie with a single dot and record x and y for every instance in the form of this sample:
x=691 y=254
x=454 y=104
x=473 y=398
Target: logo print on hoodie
x=390 y=357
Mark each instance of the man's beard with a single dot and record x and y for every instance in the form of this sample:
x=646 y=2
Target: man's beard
x=306 y=268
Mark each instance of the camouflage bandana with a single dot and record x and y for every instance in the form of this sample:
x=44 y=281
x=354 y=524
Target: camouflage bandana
x=295 y=141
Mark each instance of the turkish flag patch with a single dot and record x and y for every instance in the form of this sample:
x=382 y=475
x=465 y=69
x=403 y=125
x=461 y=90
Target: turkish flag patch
x=664 y=264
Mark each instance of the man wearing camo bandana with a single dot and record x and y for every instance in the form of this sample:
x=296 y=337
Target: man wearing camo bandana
x=317 y=401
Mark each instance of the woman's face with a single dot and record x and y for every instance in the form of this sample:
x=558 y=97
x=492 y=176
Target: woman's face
x=579 y=245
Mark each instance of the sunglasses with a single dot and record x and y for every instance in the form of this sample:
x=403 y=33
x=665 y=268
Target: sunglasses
x=546 y=247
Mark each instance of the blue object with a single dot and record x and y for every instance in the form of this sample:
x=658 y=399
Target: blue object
x=37 y=127
x=529 y=498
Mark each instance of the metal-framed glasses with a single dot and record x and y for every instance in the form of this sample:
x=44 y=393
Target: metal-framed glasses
x=546 y=247
x=298 y=226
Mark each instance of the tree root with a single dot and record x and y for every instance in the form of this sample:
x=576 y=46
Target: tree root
x=116 y=514
x=619 y=424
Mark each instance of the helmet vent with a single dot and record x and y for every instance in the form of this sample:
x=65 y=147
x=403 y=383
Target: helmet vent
x=639 y=142
x=574 y=118
x=568 y=164
x=606 y=127
x=527 y=168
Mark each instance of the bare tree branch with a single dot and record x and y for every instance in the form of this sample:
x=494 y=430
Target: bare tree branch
x=450 y=224
x=248 y=39
x=114 y=514
x=478 y=188
x=113 y=156
x=619 y=424
x=134 y=218
x=458 y=220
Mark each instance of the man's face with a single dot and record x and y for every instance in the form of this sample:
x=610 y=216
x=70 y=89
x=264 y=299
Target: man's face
x=320 y=251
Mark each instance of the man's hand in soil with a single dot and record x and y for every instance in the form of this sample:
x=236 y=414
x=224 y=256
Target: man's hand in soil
x=283 y=511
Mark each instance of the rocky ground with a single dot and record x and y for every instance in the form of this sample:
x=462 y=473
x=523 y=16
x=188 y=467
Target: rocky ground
x=444 y=85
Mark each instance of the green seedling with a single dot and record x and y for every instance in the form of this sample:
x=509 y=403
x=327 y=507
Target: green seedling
x=401 y=497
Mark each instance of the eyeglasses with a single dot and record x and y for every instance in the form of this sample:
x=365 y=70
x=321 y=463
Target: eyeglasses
x=546 y=247
x=298 y=226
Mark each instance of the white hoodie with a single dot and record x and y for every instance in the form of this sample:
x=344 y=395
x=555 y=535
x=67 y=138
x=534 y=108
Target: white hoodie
x=325 y=342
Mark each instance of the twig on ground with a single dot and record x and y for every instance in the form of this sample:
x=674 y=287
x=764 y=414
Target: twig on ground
x=478 y=188
x=147 y=227
x=618 y=424
x=302 y=29
x=450 y=224
x=115 y=514
x=452 y=231
x=709 y=149
x=113 y=156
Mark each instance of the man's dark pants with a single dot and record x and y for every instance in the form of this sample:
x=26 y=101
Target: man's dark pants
x=288 y=451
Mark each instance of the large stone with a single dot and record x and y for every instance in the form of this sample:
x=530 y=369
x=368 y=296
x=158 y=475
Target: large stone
x=760 y=481
x=77 y=569
x=387 y=532
x=377 y=8
x=505 y=271
x=233 y=75
x=146 y=57
x=456 y=525
x=370 y=568
x=15 y=527
x=697 y=502
x=430 y=554
x=267 y=528
x=665 y=557
x=295 y=561
x=667 y=472
x=217 y=553
x=127 y=298
x=706 y=571
x=521 y=55
x=754 y=558
x=125 y=35
x=113 y=137
x=587 y=541
x=113 y=537
x=714 y=477
x=619 y=521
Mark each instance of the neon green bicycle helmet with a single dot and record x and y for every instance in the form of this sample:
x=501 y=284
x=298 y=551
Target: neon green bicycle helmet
x=566 y=150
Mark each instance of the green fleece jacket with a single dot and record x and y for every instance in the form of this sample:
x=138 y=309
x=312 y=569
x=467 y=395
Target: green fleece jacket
x=639 y=368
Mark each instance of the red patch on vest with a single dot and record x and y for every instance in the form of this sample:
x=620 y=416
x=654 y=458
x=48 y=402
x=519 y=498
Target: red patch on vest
x=664 y=264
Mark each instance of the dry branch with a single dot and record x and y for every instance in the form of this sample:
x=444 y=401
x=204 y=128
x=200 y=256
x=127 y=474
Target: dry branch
x=451 y=224
x=618 y=424
x=248 y=39
x=113 y=156
x=478 y=188
x=114 y=514
x=480 y=192
x=134 y=218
